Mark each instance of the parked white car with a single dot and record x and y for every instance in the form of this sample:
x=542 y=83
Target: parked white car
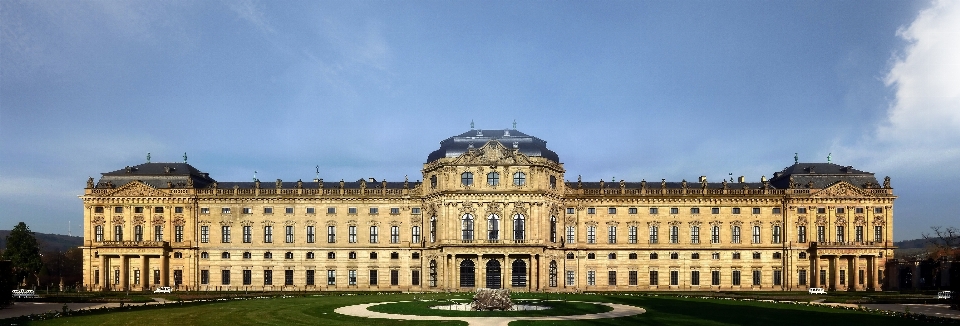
x=945 y=295
x=163 y=289
x=816 y=291
x=24 y=294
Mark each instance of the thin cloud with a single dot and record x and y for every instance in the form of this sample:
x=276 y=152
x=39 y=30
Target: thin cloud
x=251 y=12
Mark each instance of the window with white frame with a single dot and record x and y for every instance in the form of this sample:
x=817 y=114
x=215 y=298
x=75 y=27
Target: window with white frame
x=331 y=234
x=571 y=234
x=611 y=234
x=225 y=234
x=311 y=236
x=204 y=234
x=288 y=234
x=756 y=234
x=735 y=234
x=632 y=234
x=654 y=234
x=374 y=234
x=674 y=234
x=591 y=234
x=247 y=232
x=415 y=234
x=268 y=234
x=394 y=234
x=694 y=234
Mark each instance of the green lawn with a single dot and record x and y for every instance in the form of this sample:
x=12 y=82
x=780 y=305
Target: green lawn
x=318 y=310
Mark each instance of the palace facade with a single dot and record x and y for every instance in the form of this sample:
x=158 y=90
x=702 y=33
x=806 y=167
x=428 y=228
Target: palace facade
x=493 y=211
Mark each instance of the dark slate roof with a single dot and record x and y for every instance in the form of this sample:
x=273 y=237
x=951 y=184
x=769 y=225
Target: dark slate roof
x=156 y=169
x=528 y=145
x=822 y=175
x=158 y=175
x=670 y=185
x=313 y=184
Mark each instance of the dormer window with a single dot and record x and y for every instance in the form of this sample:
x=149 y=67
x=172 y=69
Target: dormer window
x=519 y=179
x=493 y=179
x=466 y=179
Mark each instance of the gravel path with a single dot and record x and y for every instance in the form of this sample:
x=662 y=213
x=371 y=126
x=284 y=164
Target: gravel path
x=361 y=310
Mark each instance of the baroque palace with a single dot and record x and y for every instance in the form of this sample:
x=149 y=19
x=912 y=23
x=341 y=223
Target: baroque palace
x=493 y=211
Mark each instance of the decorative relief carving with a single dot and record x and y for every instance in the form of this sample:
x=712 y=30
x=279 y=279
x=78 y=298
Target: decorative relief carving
x=495 y=208
x=841 y=220
x=859 y=220
x=841 y=189
x=821 y=220
x=157 y=220
x=467 y=208
x=801 y=222
x=877 y=220
x=138 y=220
x=179 y=221
x=716 y=223
x=736 y=223
x=117 y=220
x=694 y=223
x=415 y=220
x=492 y=153
x=289 y=223
x=246 y=223
x=349 y=223
x=311 y=223
x=226 y=223
x=137 y=189
x=334 y=222
x=99 y=220
x=675 y=223
x=395 y=223
x=520 y=208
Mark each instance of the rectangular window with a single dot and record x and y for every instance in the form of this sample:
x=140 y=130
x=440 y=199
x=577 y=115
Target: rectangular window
x=756 y=210
x=801 y=210
x=204 y=234
x=860 y=275
x=394 y=234
x=117 y=233
x=204 y=277
x=654 y=278
x=714 y=277
x=756 y=277
x=823 y=276
x=352 y=277
x=288 y=234
x=571 y=234
x=776 y=210
x=694 y=210
x=841 y=210
x=178 y=233
x=843 y=277
x=802 y=277
x=776 y=234
x=612 y=210
x=694 y=234
x=225 y=234
x=288 y=277
x=98 y=209
x=352 y=210
x=632 y=210
x=777 y=277
x=178 y=210
x=136 y=276
x=374 y=234
x=632 y=234
x=247 y=234
x=157 y=233
x=840 y=233
x=204 y=210
x=331 y=210
x=694 y=277
x=311 y=236
x=878 y=210
x=571 y=279
x=158 y=210
x=612 y=234
x=858 y=210
x=246 y=210
x=654 y=237
x=415 y=234
x=591 y=278
x=735 y=278
x=310 y=277
x=225 y=210
x=859 y=233
x=821 y=210
x=138 y=210
x=715 y=210
x=802 y=234
x=156 y=276
x=118 y=210
x=653 y=210
x=756 y=234
x=735 y=210
x=138 y=233
x=288 y=210
x=591 y=234
x=715 y=234
x=225 y=277
x=331 y=234
x=374 y=210
x=674 y=210
x=415 y=277
x=394 y=277
x=352 y=234
x=735 y=235
x=394 y=211
x=570 y=210
x=311 y=210
x=632 y=277
x=268 y=210
x=821 y=233
x=331 y=277
x=268 y=234
x=611 y=277
x=674 y=277
x=877 y=233
x=591 y=210
x=674 y=234
x=373 y=277
x=247 y=277
x=415 y=211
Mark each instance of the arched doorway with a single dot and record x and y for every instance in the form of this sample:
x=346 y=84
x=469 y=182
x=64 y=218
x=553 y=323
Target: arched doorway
x=493 y=274
x=553 y=273
x=467 y=274
x=518 y=273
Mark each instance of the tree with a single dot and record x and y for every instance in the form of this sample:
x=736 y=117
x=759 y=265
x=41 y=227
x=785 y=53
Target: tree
x=23 y=252
x=945 y=246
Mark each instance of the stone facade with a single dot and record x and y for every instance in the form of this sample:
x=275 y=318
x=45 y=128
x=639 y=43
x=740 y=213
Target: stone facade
x=493 y=211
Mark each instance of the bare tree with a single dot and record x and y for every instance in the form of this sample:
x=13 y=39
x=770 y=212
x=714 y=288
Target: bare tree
x=944 y=242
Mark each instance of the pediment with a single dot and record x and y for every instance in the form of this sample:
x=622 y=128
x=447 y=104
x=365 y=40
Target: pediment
x=841 y=189
x=137 y=189
x=492 y=153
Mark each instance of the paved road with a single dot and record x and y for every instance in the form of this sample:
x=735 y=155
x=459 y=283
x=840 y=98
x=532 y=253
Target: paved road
x=361 y=310
x=939 y=310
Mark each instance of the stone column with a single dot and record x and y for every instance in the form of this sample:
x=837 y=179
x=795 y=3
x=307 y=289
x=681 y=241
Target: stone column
x=104 y=272
x=916 y=276
x=165 y=269
x=480 y=273
x=855 y=267
x=875 y=274
x=124 y=272
x=834 y=273
x=871 y=275
x=144 y=273
x=815 y=271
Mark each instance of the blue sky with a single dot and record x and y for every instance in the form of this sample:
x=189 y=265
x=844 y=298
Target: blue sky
x=620 y=89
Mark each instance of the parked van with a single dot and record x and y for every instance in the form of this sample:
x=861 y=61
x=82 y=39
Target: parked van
x=945 y=295
x=816 y=291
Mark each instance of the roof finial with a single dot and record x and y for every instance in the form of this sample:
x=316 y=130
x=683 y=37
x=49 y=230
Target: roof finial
x=184 y=157
x=471 y=124
x=828 y=157
x=514 y=124
x=318 y=172
x=796 y=158
x=254 y=175
x=148 y=157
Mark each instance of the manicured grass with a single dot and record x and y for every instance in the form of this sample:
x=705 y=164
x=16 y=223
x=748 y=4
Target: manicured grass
x=664 y=309
x=558 y=308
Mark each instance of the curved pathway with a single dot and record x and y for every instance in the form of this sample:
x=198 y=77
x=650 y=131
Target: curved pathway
x=360 y=310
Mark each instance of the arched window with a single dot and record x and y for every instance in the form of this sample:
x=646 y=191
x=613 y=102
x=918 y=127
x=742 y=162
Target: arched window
x=632 y=255
x=493 y=227
x=433 y=181
x=288 y=255
x=433 y=273
x=468 y=274
x=225 y=255
x=674 y=255
x=591 y=256
x=247 y=255
x=310 y=255
x=394 y=255
x=204 y=255
x=518 y=273
x=352 y=255
x=553 y=274
x=553 y=182
x=433 y=229
x=654 y=255
x=776 y=255
x=373 y=255
x=493 y=179
x=267 y=255
x=612 y=255
x=518 y=227
x=466 y=178
x=695 y=255
x=569 y=255
x=177 y=255
x=803 y=255
x=331 y=255
x=553 y=229
x=519 y=179
x=466 y=227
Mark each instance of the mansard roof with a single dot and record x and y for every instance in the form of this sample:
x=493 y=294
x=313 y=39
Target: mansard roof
x=157 y=175
x=528 y=145
x=822 y=175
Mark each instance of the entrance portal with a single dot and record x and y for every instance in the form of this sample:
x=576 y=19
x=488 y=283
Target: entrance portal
x=493 y=274
x=467 y=278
